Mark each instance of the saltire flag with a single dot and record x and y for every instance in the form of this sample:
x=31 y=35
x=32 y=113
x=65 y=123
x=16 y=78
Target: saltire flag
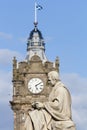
x=39 y=7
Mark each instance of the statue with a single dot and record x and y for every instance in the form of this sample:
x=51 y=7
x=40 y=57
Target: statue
x=54 y=114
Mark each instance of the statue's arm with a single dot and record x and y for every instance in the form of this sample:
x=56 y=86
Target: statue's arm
x=38 y=105
x=56 y=101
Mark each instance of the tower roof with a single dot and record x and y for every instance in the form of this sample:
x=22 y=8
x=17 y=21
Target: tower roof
x=35 y=31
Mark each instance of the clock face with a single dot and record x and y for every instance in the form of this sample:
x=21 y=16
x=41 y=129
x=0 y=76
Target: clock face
x=35 y=85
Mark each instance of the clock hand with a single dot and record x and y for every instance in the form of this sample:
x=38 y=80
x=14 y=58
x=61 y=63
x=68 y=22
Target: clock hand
x=38 y=84
x=36 y=87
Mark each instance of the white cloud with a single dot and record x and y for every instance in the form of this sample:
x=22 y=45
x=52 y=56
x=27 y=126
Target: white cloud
x=6 y=35
x=5 y=86
x=6 y=56
x=48 y=39
x=5 y=97
x=23 y=39
x=78 y=89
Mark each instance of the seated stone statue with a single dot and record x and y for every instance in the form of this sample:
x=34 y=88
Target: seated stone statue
x=55 y=114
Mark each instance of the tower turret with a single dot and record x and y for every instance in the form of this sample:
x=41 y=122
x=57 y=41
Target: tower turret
x=36 y=45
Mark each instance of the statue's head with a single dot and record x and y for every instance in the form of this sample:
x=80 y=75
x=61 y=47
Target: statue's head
x=53 y=77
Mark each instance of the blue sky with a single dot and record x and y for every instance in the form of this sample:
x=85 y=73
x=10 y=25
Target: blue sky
x=64 y=28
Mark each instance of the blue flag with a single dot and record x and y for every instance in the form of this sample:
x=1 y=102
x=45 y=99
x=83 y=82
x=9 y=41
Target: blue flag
x=39 y=7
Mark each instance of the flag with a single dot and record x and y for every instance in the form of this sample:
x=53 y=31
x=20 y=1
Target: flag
x=39 y=7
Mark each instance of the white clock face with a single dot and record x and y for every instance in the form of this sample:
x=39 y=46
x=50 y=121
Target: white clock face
x=35 y=85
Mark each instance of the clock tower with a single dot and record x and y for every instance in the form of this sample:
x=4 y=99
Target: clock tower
x=30 y=78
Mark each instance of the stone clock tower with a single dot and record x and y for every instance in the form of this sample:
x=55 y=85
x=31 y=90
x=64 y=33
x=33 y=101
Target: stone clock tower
x=30 y=78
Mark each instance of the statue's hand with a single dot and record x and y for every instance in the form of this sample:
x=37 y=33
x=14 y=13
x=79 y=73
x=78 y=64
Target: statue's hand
x=34 y=105
x=38 y=105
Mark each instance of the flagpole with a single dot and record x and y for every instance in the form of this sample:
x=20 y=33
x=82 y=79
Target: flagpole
x=35 y=13
x=37 y=7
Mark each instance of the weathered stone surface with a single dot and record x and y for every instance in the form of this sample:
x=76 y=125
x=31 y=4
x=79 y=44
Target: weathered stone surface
x=22 y=97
